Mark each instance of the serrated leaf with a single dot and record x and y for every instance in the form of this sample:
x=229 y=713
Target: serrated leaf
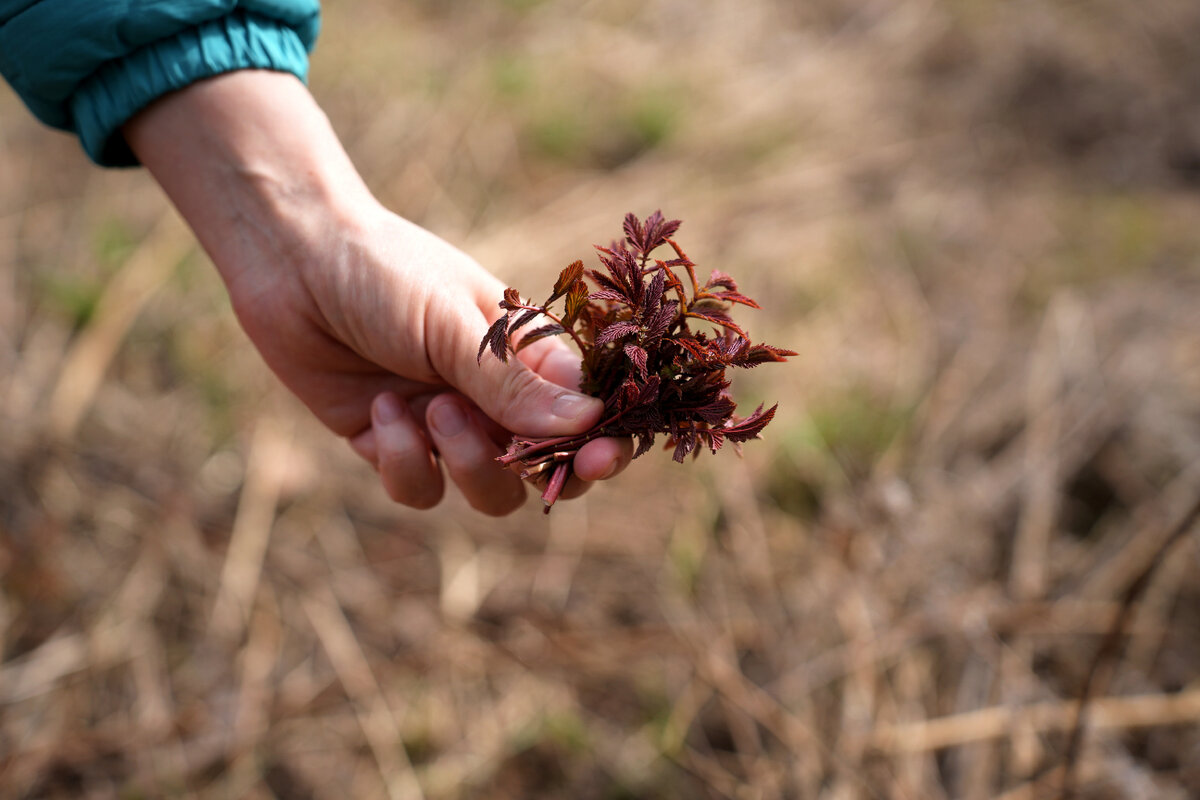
x=537 y=334
x=638 y=356
x=684 y=444
x=634 y=232
x=761 y=354
x=716 y=317
x=511 y=301
x=497 y=339
x=610 y=295
x=566 y=279
x=662 y=321
x=649 y=391
x=645 y=441
x=577 y=299
x=731 y=346
x=523 y=319
x=608 y=284
x=716 y=412
x=669 y=229
x=698 y=348
x=624 y=271
x=651 y=226
x=751 y=427
x=615 y=331
x=657 y=230
x=714 y=439
x=628 y=394
x=654 y=295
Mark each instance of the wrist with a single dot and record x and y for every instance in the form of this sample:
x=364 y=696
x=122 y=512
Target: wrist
x=255 y=168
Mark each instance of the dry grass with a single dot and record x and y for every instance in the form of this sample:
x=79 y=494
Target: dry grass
x=976 y=221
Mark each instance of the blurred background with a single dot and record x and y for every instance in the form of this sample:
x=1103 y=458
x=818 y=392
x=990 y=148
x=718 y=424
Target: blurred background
x=977 y=221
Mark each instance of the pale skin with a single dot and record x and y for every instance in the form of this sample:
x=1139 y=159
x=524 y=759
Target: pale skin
x=372 y=321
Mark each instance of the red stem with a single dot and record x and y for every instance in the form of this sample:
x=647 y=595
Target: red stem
x=558 y=479
x=571 y=330
x=545 y=444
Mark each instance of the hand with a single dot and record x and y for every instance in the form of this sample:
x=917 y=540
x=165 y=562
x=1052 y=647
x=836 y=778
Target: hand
x=371 y=321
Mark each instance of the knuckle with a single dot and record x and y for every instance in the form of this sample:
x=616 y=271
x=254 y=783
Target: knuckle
x=520 y=391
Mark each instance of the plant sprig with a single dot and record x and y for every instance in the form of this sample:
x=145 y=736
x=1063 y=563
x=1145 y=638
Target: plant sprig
x=639 y=352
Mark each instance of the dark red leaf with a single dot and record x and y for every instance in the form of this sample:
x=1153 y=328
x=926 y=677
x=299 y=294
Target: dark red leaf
x=749 y=428
x=523 y=319
x=645 y=441
x=716 y=412
x=553 y=329
x=511 y=301
x=662 y=321
x=731 y=346
x=761 y=354
x=577 y=298
x=649 y=390
x=713 y=438
x=700 y=350
x=654 y=295
x=566 y=279
x=623 y=269
x=497 y=339
x=684 y=444
x=638 y=356
x=652 y=225
x=634 y=232
x=610 y=295
x=615 y=331
x=715 y=316
x=630 y=392
x=657 y=230
x=605 y=282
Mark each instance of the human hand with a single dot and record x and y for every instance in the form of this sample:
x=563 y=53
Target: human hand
x=390 y=321
x=371 y=321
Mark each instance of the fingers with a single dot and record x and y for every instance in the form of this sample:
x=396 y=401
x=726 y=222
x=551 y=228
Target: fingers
x=511 y=393
x=470 y=457
x=603 y=458
x=401 y=453
x=597 y=460
x=555 y=361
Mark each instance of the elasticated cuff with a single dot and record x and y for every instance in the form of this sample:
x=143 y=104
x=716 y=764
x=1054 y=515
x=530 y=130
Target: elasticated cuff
x=121 y=88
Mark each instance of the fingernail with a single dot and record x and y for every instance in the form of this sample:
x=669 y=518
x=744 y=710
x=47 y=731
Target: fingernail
x=612 y=469
x=388 y=409
x=448 y=419
x=572 y=406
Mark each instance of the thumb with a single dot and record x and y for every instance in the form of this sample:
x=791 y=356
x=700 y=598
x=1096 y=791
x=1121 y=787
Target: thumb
x=513 y=393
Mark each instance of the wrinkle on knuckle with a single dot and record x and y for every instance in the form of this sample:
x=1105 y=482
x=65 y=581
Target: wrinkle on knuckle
x=519 y=392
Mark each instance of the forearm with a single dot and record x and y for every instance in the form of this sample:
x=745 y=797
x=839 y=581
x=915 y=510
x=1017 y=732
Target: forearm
x=254 y=166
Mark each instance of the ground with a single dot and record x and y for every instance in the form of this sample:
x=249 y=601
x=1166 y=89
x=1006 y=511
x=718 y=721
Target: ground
x=976 y=221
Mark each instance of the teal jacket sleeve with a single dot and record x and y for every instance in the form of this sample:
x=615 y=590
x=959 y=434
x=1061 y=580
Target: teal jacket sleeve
x=87 y=66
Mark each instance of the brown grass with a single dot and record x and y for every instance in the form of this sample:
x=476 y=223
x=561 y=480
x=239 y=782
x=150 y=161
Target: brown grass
x=975 y=221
